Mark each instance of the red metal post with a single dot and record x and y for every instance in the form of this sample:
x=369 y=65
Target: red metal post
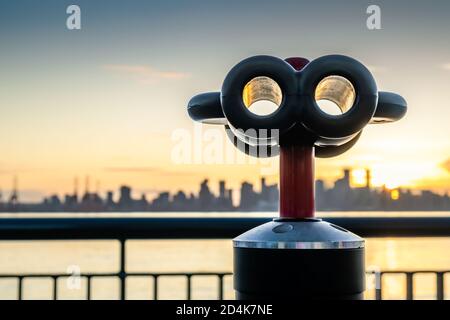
x=297 y=172
x=297 y=181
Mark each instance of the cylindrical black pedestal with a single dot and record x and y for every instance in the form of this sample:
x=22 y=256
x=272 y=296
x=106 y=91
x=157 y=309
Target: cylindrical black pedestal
x=299 y=259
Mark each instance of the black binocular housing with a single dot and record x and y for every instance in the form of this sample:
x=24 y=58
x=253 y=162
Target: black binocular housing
x=336 y=78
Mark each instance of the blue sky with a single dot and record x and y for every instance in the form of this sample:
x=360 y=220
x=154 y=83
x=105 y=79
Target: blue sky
x=109 y=95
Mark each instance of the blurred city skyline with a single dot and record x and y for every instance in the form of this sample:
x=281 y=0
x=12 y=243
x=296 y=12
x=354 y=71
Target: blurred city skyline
x=351 y=192
x=104 y=101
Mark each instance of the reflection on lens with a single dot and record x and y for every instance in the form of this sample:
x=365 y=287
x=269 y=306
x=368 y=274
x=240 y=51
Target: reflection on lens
x=335 y=95
x=262 y=96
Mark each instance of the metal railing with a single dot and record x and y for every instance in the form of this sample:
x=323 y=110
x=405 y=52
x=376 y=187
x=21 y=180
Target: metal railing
x=89 y=276
x=123 y=229
x=440 y=277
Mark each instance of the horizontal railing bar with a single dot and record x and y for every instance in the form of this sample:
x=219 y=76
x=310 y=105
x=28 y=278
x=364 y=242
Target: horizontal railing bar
x=55 y=275
x=408 y=271
x=128 y=274
x=188 y=274
x=202 y=228
x=193 y=274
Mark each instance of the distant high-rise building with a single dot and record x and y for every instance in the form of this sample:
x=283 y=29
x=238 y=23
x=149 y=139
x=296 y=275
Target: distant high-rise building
x=263 y=183
x=225 y=201
x=109 y=200
x=230 y=196
x=162 y=202
x=368 y=178
x=248 y=196
x=180 y=202
x=125 y=200
x=347 y=174
x=320 y=186
x=222 y=189
x=320 y=194
x=142 y=203
x=267 y=200
x=205 y=196
x=264 y=189
x=343 y=184
x=54 y=201
x=70 y=202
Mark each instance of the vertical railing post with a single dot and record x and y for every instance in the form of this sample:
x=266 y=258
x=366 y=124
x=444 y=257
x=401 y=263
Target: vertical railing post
x=409 y=286
x=188 y=288
x=155 y=287
x=378 y=285
x=122 y=273
x=55 y=288
x=20 y=289
x=220 y=286
x=89 y=285
x=440 y=286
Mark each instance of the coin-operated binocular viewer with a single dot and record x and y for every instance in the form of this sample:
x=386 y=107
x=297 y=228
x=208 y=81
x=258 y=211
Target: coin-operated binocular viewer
x=297 y=255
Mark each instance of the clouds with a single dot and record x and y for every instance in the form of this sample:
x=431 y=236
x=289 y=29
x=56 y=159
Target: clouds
x=145 y=74
x=446 y=66
x=132 y=169
x=155 y=171
x=446 y=165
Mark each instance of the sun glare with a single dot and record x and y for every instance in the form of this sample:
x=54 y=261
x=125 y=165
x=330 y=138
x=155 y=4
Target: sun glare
x=392 y=181
x=391 y=178
x=395 y=194
x=378 y=178
x=359 y=178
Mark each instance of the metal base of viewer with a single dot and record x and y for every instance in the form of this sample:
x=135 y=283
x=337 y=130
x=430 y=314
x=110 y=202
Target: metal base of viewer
x=299 y=258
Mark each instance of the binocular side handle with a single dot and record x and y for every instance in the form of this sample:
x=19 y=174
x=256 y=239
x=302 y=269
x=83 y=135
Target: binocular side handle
x=391 y=107
x=206 y=108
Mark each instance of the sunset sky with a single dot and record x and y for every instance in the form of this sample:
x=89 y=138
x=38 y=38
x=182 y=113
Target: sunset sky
x=105 y=100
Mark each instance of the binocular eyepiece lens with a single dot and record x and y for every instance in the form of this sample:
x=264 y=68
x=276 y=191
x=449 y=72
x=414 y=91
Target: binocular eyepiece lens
x=335 y=95
x=262 y=96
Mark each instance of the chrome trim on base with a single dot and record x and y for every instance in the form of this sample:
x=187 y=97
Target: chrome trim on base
x=299 y=245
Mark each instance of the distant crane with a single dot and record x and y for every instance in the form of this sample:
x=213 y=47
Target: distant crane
x=87 y=183
x=97 y=187
x=75 y=189
x=14 y=198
